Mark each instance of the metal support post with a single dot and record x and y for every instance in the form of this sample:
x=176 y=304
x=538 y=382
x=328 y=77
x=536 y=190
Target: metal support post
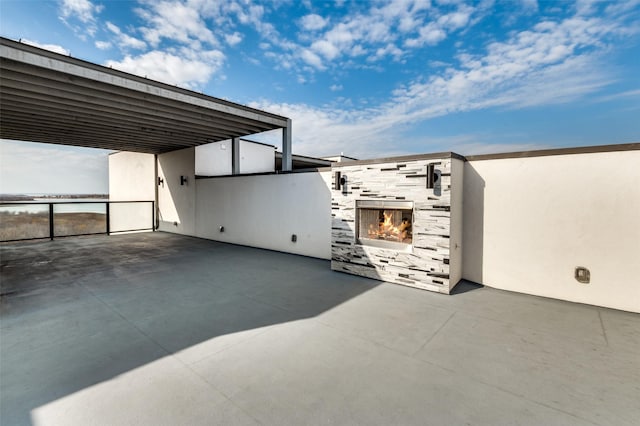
x=51 y=221
x=235 y=156
x=286 y=147
x=108 y=218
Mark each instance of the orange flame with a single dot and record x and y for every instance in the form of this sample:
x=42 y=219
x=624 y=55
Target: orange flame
x=387 y=230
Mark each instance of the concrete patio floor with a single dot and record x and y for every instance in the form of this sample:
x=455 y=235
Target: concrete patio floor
x=155 y=328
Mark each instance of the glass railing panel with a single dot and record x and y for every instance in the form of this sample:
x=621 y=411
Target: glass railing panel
x=79 y=219
x=131 y=216
x=24 y=221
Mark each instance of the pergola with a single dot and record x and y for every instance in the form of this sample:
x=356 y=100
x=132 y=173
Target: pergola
x=52 y=98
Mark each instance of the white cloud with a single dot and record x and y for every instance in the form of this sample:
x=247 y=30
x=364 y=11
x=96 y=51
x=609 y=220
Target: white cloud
x=184 y=68
x=388 y=50
x=389 y=28
x=311 y=58
x=326 y=49
x=83 y=11
x=52 y=47
x=431 y=34
x=27 y=167
x=103 y=45
x=457 y=19
x=125 y=40
x=174 y=20
x=233 y=39
x=313 y=22
x=335 y=87
x=620 y=95
x=554 y=62
x=531 y=5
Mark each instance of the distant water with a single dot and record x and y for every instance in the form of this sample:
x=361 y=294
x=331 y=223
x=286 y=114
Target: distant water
x=41 y=205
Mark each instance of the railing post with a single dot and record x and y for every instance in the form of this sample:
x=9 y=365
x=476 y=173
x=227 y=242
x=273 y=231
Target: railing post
x=108 y=218
x=51 y=221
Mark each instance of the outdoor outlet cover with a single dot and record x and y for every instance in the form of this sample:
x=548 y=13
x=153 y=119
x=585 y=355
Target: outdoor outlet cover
x=294 y=238
x=582 y=275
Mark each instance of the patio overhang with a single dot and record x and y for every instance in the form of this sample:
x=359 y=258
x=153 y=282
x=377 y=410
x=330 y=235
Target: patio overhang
x=52 y=98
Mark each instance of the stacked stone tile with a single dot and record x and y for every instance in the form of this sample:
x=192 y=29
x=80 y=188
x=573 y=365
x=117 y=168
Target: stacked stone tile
x=426 y=266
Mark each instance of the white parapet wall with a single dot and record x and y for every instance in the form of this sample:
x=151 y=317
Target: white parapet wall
x=266 y=210
x=529 y=222
x=262 y=211
x=177 y=192
x=131 y=178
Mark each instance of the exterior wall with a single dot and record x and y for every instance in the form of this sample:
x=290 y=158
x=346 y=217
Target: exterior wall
x=214 y=159
x=528 y=222
x=427 y=266
x=131 y=176
x=457 y=222
x=257 y=158
x=176 y=203
x=264 y=211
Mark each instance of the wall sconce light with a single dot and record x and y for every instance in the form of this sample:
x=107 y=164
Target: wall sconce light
x=160 y=181
x=433 y=179
x=582 y=275
x=184 y=180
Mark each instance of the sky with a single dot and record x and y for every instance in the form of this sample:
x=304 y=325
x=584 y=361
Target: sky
x=366 y=78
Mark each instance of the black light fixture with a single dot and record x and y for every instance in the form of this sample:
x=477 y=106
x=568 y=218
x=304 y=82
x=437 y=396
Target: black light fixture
x=430 y=175
x=184 y=180
x=160 y=181
x=433 y=179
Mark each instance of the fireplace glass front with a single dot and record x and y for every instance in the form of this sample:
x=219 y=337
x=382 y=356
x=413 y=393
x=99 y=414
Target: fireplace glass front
x=385 y=224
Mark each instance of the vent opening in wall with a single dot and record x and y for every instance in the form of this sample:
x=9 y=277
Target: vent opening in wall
x=582 y=275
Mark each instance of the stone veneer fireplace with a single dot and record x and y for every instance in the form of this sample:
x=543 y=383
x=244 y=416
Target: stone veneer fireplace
x=399 y=220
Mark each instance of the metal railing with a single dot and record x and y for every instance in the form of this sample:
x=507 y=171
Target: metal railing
x=21 y=221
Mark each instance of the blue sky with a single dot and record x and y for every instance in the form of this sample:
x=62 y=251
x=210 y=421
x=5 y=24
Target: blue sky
x=370 y=78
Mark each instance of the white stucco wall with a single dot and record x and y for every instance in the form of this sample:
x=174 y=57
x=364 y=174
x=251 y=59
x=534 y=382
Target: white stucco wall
x=256 y=157
x=457 y=227
x=264 y=211
x=176 y=202
x=131 y=176
x=214 y=159
x=528 y=222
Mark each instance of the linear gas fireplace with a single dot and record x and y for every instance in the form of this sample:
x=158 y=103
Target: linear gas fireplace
x=385 y=224
x=399 y=220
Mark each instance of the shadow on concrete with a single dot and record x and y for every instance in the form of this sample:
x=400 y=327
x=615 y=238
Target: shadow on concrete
x=465 y=286
x=81 y=311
